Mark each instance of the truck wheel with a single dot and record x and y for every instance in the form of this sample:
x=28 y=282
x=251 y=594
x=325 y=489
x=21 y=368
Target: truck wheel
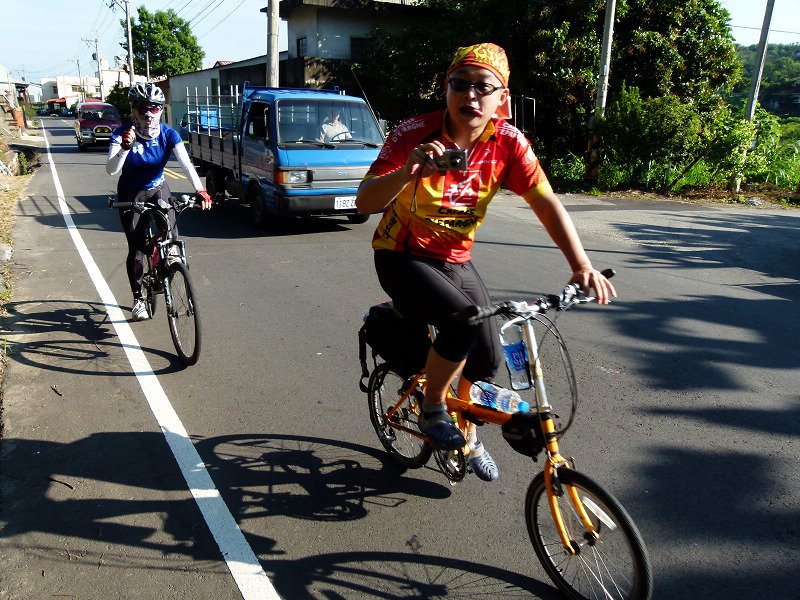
x=358 y=218
x=257 y=208
x=82 y=147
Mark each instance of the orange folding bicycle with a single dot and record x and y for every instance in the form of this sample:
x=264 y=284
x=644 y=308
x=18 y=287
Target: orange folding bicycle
x=582 y=535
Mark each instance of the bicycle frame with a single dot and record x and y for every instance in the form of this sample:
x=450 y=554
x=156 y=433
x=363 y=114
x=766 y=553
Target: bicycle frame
x=465 y=411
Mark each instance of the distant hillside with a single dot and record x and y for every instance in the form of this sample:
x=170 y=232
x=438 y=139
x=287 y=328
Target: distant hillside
x=780 y=81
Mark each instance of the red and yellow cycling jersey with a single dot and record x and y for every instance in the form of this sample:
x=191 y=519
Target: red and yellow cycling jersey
x=438 y=216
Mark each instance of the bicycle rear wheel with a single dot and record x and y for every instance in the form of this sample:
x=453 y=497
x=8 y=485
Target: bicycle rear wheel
x=615 y=565
x=385 y=388
x=184 y=321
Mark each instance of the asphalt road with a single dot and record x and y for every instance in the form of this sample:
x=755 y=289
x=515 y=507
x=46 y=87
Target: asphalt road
x=690 y=411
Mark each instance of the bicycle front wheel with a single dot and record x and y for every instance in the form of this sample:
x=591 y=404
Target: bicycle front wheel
x=385 y=388
x=184 y=321
x=610 y=565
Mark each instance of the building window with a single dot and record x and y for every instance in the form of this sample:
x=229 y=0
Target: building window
x=302 y=47
x=359 y=48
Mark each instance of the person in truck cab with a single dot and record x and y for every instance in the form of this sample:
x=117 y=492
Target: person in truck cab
x=430 y=215
x=139 y=151
x=333 y=130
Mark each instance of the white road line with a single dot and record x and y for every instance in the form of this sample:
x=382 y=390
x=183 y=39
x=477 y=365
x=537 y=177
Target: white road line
x=251 y=579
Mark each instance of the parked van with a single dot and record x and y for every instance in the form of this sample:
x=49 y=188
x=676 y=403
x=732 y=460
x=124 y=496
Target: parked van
x=94 y=123
x=286 y=151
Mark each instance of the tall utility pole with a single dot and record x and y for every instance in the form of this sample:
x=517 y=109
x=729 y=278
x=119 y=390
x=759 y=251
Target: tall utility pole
x=127 y=6
x=605 y=57
x=80 y=81
x=130 y=40
x=758 y=71
x=96 y=57
x=592 y=154
x=272 y=42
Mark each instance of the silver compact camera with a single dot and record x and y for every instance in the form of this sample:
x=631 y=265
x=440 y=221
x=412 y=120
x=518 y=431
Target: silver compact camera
x=451 y=160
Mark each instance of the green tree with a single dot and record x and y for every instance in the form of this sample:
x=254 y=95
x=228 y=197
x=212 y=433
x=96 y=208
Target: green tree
x=118 y=96
x=683 y=48
x=648 y=140
x=680 y=48
x=167 y=41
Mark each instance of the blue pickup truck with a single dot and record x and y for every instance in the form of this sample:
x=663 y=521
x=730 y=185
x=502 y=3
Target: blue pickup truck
x=287 y=152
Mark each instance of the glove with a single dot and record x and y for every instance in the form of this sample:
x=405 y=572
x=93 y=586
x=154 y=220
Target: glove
x=206 y=199
x=127 y=139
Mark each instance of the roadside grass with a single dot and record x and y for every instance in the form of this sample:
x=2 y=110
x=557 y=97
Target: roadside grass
x=11 y=189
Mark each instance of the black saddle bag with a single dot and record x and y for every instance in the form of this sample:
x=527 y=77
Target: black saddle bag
x=398 y=341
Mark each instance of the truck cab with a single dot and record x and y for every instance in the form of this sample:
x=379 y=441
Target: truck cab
x=293 y=152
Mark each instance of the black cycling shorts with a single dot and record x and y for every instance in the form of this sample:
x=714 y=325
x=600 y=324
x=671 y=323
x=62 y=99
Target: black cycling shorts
x=431 y=291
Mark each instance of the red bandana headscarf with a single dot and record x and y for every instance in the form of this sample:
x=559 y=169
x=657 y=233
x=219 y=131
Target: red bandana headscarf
x=487 y=56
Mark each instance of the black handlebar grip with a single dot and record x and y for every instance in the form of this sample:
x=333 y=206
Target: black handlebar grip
x=472 y=315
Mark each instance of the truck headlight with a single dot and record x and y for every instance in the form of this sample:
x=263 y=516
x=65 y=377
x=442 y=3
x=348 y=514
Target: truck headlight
x=291 y=177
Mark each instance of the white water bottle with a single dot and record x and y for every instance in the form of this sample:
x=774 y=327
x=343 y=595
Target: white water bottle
x=482 y=392
x=509 y=401
x=516 y=355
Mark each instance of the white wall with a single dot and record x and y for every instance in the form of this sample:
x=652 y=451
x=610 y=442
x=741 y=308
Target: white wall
x=328 y=31
x=197 y=82
x=303 y=23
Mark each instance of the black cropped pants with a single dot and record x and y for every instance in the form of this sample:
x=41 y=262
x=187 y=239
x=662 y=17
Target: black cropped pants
x=431 y=291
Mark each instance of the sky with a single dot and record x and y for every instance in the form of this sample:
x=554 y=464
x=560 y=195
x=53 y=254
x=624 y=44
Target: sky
x=60 y=37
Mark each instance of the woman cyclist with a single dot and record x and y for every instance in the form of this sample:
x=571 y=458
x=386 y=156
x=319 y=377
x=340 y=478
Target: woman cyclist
x=140 y=149
x=422 y=243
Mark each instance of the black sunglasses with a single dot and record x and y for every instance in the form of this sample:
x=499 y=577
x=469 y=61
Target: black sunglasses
x=482 y=88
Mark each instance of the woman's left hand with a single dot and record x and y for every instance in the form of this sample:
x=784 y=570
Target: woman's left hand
x=590 y=278
x=206 y=199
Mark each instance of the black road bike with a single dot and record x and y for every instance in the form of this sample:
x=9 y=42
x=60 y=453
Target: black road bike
x=166 y=271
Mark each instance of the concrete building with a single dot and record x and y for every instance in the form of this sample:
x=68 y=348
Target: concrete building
x=74 y=88
x=325 y=37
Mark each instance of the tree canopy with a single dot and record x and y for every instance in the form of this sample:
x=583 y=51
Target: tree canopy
x=678 y=47
x=168 y=42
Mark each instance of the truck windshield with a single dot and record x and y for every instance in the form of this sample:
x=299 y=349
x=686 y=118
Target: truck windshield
x=104 y=114
x=324 y=122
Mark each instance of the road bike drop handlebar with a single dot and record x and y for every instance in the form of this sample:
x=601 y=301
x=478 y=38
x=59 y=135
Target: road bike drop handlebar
x=571 y=295
x=181 y=203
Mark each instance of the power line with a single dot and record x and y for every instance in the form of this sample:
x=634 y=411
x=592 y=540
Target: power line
x=221 y=21
x=200 y=20
x=771 y=30
x=207 y=10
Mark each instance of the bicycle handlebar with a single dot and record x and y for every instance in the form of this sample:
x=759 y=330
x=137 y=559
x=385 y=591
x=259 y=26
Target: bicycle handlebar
x=569 y=296
x=185 y=201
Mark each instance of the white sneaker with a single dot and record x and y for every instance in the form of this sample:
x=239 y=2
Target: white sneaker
x=139 y=311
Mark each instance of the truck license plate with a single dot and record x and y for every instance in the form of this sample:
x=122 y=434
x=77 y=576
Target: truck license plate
x=344 y=202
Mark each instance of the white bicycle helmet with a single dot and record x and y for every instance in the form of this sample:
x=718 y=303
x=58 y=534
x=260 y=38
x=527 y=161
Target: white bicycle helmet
x=146 y=92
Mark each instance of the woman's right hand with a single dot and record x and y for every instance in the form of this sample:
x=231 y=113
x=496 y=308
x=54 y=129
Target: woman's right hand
x=127 y=139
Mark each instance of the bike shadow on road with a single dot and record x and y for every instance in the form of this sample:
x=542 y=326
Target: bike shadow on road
x=79 y=495
x=75 y=337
